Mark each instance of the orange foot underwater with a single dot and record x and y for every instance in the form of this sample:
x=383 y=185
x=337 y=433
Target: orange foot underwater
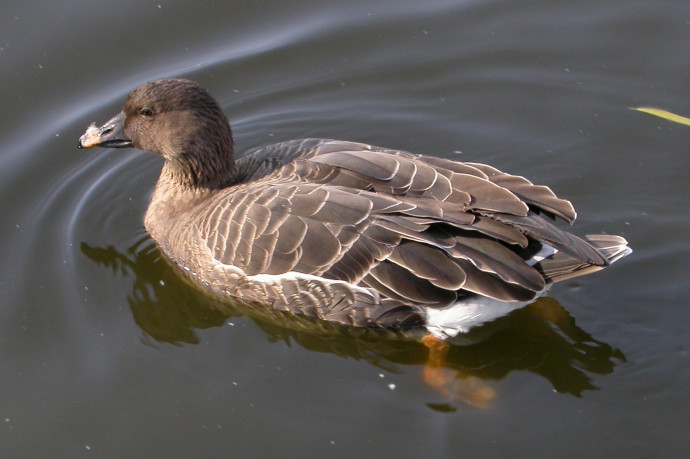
x=453 y=384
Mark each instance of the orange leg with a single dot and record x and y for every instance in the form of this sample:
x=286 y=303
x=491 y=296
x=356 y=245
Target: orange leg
x=453 y=384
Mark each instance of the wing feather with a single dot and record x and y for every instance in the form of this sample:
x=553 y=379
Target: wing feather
x=388 y=231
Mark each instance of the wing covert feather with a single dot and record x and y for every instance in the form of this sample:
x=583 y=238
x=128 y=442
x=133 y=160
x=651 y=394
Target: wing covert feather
x=413 y=230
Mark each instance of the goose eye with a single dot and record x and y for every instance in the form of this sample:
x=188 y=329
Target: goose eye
x=147 y=112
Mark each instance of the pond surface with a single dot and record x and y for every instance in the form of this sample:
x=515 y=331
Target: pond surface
x=106 y=352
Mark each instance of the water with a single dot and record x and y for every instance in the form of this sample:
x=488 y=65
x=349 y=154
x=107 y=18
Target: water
x=106 y=351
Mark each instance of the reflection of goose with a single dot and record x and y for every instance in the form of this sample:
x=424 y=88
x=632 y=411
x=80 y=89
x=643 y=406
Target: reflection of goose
x=342 y=231
x=541 y=339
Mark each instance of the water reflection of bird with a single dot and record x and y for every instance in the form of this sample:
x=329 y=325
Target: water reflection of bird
x=541 y=338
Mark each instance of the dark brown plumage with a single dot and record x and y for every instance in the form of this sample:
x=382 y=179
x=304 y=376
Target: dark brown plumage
x=344 y=231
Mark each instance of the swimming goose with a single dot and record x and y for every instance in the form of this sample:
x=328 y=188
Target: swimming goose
x=343 y=231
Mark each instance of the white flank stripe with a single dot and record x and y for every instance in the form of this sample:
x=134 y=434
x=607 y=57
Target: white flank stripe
x=295 y=276
x=546 y=251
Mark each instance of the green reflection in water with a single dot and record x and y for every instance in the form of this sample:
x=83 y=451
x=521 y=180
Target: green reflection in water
x=541 y=338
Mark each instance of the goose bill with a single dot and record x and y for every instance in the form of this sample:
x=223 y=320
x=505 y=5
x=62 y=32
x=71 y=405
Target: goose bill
x=110 y=135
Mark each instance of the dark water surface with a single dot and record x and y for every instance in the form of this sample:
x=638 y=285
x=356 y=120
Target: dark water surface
x=106 y=352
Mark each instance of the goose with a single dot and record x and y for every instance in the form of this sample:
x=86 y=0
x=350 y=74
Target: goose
x=344 y=231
